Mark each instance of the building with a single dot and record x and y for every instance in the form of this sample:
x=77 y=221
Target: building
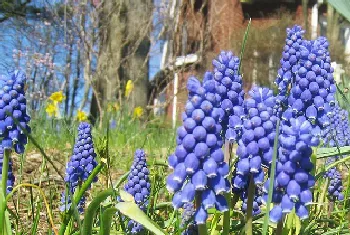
x=204 y=28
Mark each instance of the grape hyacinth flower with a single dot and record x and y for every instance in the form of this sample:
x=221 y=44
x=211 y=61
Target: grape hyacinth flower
x=229 y=89
x=80 y=166
x=198 y=161
x=257 y=200
x=187 y=220
x=291 y=187
x=289 y=61
x=13 y=106
x=335 y=186
x=138 y=185
x=10 y=176
x=312 y=94
x=255 y=148
x=341 y=127
x=336 y=136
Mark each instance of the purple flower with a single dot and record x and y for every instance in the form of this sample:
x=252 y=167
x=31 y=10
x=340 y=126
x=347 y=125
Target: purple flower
x=198 y=161
x=289 y=63
x=230 y=89
x=138 y=185
x=80 y=166
x=13 y=106
x=255 y=149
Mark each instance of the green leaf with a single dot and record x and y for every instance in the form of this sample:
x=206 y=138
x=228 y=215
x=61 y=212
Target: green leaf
x=122 y=179
x=106 y=221
x=164 y=205
x=78 y=195
x=93 y=207
x=337 y=162
x=337 y=231
x=331 y=152
x=125 y=196
x=344 y=102
x=131 y=210
x=245 y=38
x=272 y=179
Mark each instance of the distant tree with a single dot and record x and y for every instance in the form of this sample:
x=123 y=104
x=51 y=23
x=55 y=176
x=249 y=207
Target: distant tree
x=124 y=28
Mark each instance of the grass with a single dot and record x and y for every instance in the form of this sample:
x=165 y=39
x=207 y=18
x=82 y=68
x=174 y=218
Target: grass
x=117 y=145
x=56 y=137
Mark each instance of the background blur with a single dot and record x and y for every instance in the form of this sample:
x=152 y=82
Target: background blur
x=89 y=49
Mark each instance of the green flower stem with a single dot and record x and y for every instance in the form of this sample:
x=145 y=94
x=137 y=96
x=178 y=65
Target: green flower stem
x=4 y=175
x=78 y=195
x=272 y=178
x=279 y=229
x=249 y=224
x=202 y=228
x=227 y=219
x=5 y=168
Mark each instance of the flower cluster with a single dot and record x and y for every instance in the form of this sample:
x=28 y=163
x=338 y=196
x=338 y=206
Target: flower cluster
x=292 y=185
x=10 y=176
x=80 y=166
x=336 y=135
x=289 y=61
x=341 y=126
x=187 y=223
x=256 y=144
x=138 y=185
x=13 y=107
x=198 y=162
x=312 y=94
x=335 y=187
x=229 y=89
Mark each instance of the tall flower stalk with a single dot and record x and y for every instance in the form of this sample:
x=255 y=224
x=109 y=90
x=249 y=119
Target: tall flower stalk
x=80 y=166
x=198 y=162
x=13 y=121
x=139 y=186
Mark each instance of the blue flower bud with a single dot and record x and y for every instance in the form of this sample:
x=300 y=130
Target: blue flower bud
x=188 y=192
x=287 y=205
x=276 y=214
x=210 y=167
x=171 y=184
x=191 y=163
x=301 y=211
x=199 y=180
x=177 y=200
x=293 y=190
x=221 y=204
x=200 y=216
x=208 y=199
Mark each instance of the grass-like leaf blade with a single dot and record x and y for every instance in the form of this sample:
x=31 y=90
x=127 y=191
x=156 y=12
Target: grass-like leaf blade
x=245 y=38
x=131 y=210
x=106 y=221
x=272 y=177
x=93 y=207
x=333 y=151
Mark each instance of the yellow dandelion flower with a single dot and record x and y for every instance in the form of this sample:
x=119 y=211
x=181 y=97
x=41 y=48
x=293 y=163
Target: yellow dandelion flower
x=138 y=112
x=51 y=110
x=57 y=96
x=81 y=116
x=129 y=87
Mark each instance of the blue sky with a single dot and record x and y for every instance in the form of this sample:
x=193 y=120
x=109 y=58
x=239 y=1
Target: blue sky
x=14 y=37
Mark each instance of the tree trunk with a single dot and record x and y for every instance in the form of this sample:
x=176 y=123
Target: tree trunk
x=137 y=50
x=124 y=46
